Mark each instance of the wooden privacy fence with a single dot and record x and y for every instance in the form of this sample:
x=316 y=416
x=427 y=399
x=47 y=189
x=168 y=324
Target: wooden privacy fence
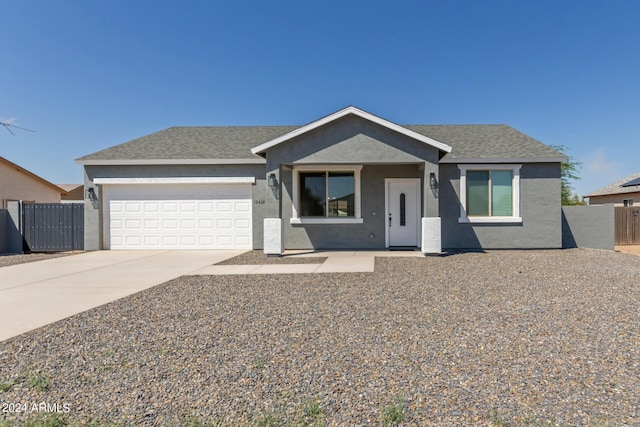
x=627 y=225
x=52 y=227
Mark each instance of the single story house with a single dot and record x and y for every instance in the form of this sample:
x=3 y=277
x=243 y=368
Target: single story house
x=347 y=180
x=17 y=183
x=624 y=192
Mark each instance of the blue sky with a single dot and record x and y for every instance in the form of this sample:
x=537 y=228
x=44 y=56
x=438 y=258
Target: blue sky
x=91 y=74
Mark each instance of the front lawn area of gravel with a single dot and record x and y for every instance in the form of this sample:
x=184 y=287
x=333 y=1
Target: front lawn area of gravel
x=503 y=338
x=15 y=259
x=259 y=258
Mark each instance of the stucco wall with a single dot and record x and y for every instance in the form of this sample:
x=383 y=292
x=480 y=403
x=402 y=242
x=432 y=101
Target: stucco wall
x=588 y=227
x=94 y=238
x=368 y=235
x=541 y=225
x=4 y=232
x=15 y=185
x=617 y=199
x=350 y=140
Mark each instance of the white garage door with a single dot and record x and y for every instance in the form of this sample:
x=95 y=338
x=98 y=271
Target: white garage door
x=178 y=216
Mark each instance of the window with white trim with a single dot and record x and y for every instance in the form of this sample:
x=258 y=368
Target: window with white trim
x=627 y=202
x=490 y=193
x=326 y=194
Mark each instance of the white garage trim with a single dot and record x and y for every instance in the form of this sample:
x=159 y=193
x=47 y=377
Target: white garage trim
x=178 y=216
x=178 y=180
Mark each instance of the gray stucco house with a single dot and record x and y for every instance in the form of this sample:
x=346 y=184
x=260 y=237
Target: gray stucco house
x=347 y=180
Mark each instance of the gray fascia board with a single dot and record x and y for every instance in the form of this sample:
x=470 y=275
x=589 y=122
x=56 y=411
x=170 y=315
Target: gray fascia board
x=454 y=160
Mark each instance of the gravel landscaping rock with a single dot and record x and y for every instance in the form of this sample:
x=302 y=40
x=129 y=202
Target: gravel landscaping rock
x=14 y=259
x=501 y=338
x=259 y=258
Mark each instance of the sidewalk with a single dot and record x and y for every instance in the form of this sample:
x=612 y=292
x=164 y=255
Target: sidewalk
x=336 y=262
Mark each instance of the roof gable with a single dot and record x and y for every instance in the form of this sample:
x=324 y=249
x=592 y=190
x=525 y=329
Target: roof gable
x=260 y=149
x=32 y=175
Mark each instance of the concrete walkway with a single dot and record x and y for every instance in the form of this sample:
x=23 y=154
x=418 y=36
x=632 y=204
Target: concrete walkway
x=336 y=262
x=36 y=294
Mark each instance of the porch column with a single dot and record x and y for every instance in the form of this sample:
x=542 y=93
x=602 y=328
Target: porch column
x=273 y=241
x=431 y=241
x=273 y=231
x=431 y=238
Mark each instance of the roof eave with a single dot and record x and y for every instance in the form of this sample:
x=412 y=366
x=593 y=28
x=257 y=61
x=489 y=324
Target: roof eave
x=113 y=162
x=260 y=149
x=555 y=159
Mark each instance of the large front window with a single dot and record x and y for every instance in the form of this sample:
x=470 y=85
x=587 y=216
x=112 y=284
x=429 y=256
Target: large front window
x=490 y=193
x=326 y=194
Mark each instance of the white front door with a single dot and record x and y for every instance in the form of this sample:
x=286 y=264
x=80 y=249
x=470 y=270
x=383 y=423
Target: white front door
x=403 y=211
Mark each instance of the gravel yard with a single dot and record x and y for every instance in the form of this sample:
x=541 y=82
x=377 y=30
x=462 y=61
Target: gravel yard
x=14 y=259
x=504 y=338
x=259 y=258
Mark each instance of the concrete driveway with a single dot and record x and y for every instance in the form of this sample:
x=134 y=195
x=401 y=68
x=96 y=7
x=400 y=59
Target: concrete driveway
x=38 y=293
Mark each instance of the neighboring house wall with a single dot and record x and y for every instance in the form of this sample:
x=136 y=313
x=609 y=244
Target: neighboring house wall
x=4 y=230
x=16 y=185
x=94 y=238
x=75 y=194
x=14 y=237
x=588 y=227
x=541 y=225
x=616 y=199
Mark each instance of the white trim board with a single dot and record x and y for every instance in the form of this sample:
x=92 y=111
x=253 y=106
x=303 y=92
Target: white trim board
x=176 y=180
x=357 y=112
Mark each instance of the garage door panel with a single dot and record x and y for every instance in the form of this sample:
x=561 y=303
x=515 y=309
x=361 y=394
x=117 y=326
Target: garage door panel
x=205 y=224
x=152 y=224
x=243 y=240
x=224 y=207
x=151 y=207
x=179 y=216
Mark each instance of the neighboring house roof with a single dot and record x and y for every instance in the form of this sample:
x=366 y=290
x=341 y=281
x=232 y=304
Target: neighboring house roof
x=235 y=144
x=69 y=187
x=74 y=191
x=619 y=187
x=32 y=175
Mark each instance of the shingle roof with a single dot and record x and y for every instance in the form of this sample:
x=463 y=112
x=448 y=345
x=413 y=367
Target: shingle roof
x=485 y=141
x=196 y=142
x=617 y=187
x=235 y=142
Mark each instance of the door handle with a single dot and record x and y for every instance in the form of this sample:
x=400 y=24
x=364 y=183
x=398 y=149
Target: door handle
x=389 y=220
